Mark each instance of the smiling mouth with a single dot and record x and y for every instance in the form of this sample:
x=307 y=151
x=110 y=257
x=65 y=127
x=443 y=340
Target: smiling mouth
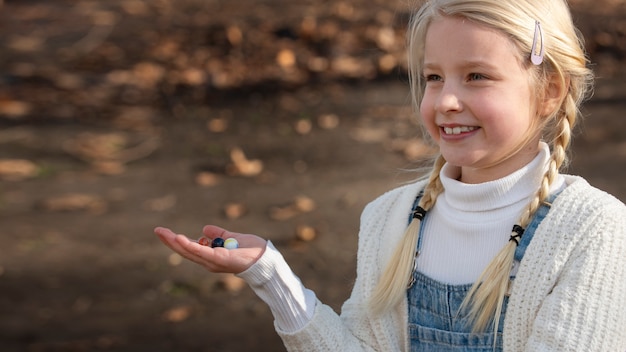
x=458 y=129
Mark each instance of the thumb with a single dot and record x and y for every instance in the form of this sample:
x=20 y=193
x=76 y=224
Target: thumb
x=212 y=231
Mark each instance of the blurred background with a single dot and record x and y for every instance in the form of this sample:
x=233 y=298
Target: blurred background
x=272 y=117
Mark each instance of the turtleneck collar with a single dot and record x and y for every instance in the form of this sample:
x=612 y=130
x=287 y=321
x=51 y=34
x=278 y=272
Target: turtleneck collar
x=516 y=187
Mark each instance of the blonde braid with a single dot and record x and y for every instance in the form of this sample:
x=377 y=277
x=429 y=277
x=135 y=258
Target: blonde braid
x=392 y=285
x=434 y=186
x=486 y=297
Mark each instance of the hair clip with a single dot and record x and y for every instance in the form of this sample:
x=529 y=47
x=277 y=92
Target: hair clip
x=419 y=213
x=536 y=53
x=519 y=232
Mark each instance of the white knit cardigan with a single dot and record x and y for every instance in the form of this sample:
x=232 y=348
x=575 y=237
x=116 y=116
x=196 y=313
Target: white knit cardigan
x=569 y=293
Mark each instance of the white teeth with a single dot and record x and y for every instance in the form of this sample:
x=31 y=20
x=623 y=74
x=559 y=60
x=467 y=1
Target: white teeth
x=458 y=129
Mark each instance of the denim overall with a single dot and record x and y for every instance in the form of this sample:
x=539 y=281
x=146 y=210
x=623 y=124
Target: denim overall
x=435 y=323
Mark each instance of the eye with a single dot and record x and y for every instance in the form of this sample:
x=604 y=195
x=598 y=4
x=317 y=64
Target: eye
x=432 y=78
x=475 y=76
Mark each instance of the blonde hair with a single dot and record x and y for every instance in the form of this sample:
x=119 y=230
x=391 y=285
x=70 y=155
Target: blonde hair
x=564 y=67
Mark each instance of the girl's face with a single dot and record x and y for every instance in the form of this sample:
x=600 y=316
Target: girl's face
x=477 y=104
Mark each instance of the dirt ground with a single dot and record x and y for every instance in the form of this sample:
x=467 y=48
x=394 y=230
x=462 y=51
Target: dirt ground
x=271 y=117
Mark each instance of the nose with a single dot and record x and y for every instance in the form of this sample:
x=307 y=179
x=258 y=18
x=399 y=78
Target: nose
x=448 y=100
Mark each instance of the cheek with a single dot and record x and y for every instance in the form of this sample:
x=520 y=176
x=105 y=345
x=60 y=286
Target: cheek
x=427 y=115
x=503 y=122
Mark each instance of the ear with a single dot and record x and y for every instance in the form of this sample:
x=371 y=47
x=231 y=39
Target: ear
x=555 y=92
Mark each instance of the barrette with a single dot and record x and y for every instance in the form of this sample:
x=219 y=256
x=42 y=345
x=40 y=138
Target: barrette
x=536 y=53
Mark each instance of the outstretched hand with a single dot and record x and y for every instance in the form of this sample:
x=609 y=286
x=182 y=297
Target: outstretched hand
x=217 y=260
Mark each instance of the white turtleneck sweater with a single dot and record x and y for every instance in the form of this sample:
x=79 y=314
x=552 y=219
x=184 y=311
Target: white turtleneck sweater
x=470 y=223
x=465 y=229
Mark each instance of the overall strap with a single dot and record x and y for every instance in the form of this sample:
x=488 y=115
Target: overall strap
x=540 y=214
x=413 y=209
x=415 y=204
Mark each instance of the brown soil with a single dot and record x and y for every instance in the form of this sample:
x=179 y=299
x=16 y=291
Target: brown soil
x=119 y=116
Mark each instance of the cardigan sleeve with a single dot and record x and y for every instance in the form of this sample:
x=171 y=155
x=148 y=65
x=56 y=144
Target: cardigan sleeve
x=586 y=308
x=273 y=281
x=355 y=330
x=321 y=330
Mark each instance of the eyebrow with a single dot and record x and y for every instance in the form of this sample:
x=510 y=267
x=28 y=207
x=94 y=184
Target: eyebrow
x=467 y=64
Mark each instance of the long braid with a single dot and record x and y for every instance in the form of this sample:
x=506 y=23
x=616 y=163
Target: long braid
x=434 y=186
x=486 y=297
x=391 y=287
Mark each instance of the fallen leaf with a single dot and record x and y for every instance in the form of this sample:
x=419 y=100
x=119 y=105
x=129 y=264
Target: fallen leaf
x=353 y=67
x=175 y=259
x=369 y=134
x=207 y=179
x=108 y=167
x=147 y=74
x=234 y=35
x=306 y=233
x=115 y=146
x=232 y=283
x=217 y=125
x=386 y=38
x=242 y=166
x=318 y=64
x=193 y=77
x=17 y=169
x=161 y=203
x=283 y=213
x=234 y=210
x=177 y=314
x=25 y=43
x=75 y=202
x=302 y=204
x=328 y=121
x=387 y=63
x=303 y=126
x=134 y=7
x=286 y=58
x=14 y=108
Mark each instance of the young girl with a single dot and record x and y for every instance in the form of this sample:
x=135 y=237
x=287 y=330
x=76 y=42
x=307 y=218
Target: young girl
x=495 y=250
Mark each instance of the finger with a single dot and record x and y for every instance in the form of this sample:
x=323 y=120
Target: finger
x=178 y=243
x=168 y=237
x=193 y=251
x=162 y=231
x=165 y=235
x=212 y=231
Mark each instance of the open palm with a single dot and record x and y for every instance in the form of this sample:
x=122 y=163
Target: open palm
x=217 y=260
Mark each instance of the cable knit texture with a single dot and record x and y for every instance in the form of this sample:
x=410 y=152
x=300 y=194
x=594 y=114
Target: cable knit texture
x=568 y=295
